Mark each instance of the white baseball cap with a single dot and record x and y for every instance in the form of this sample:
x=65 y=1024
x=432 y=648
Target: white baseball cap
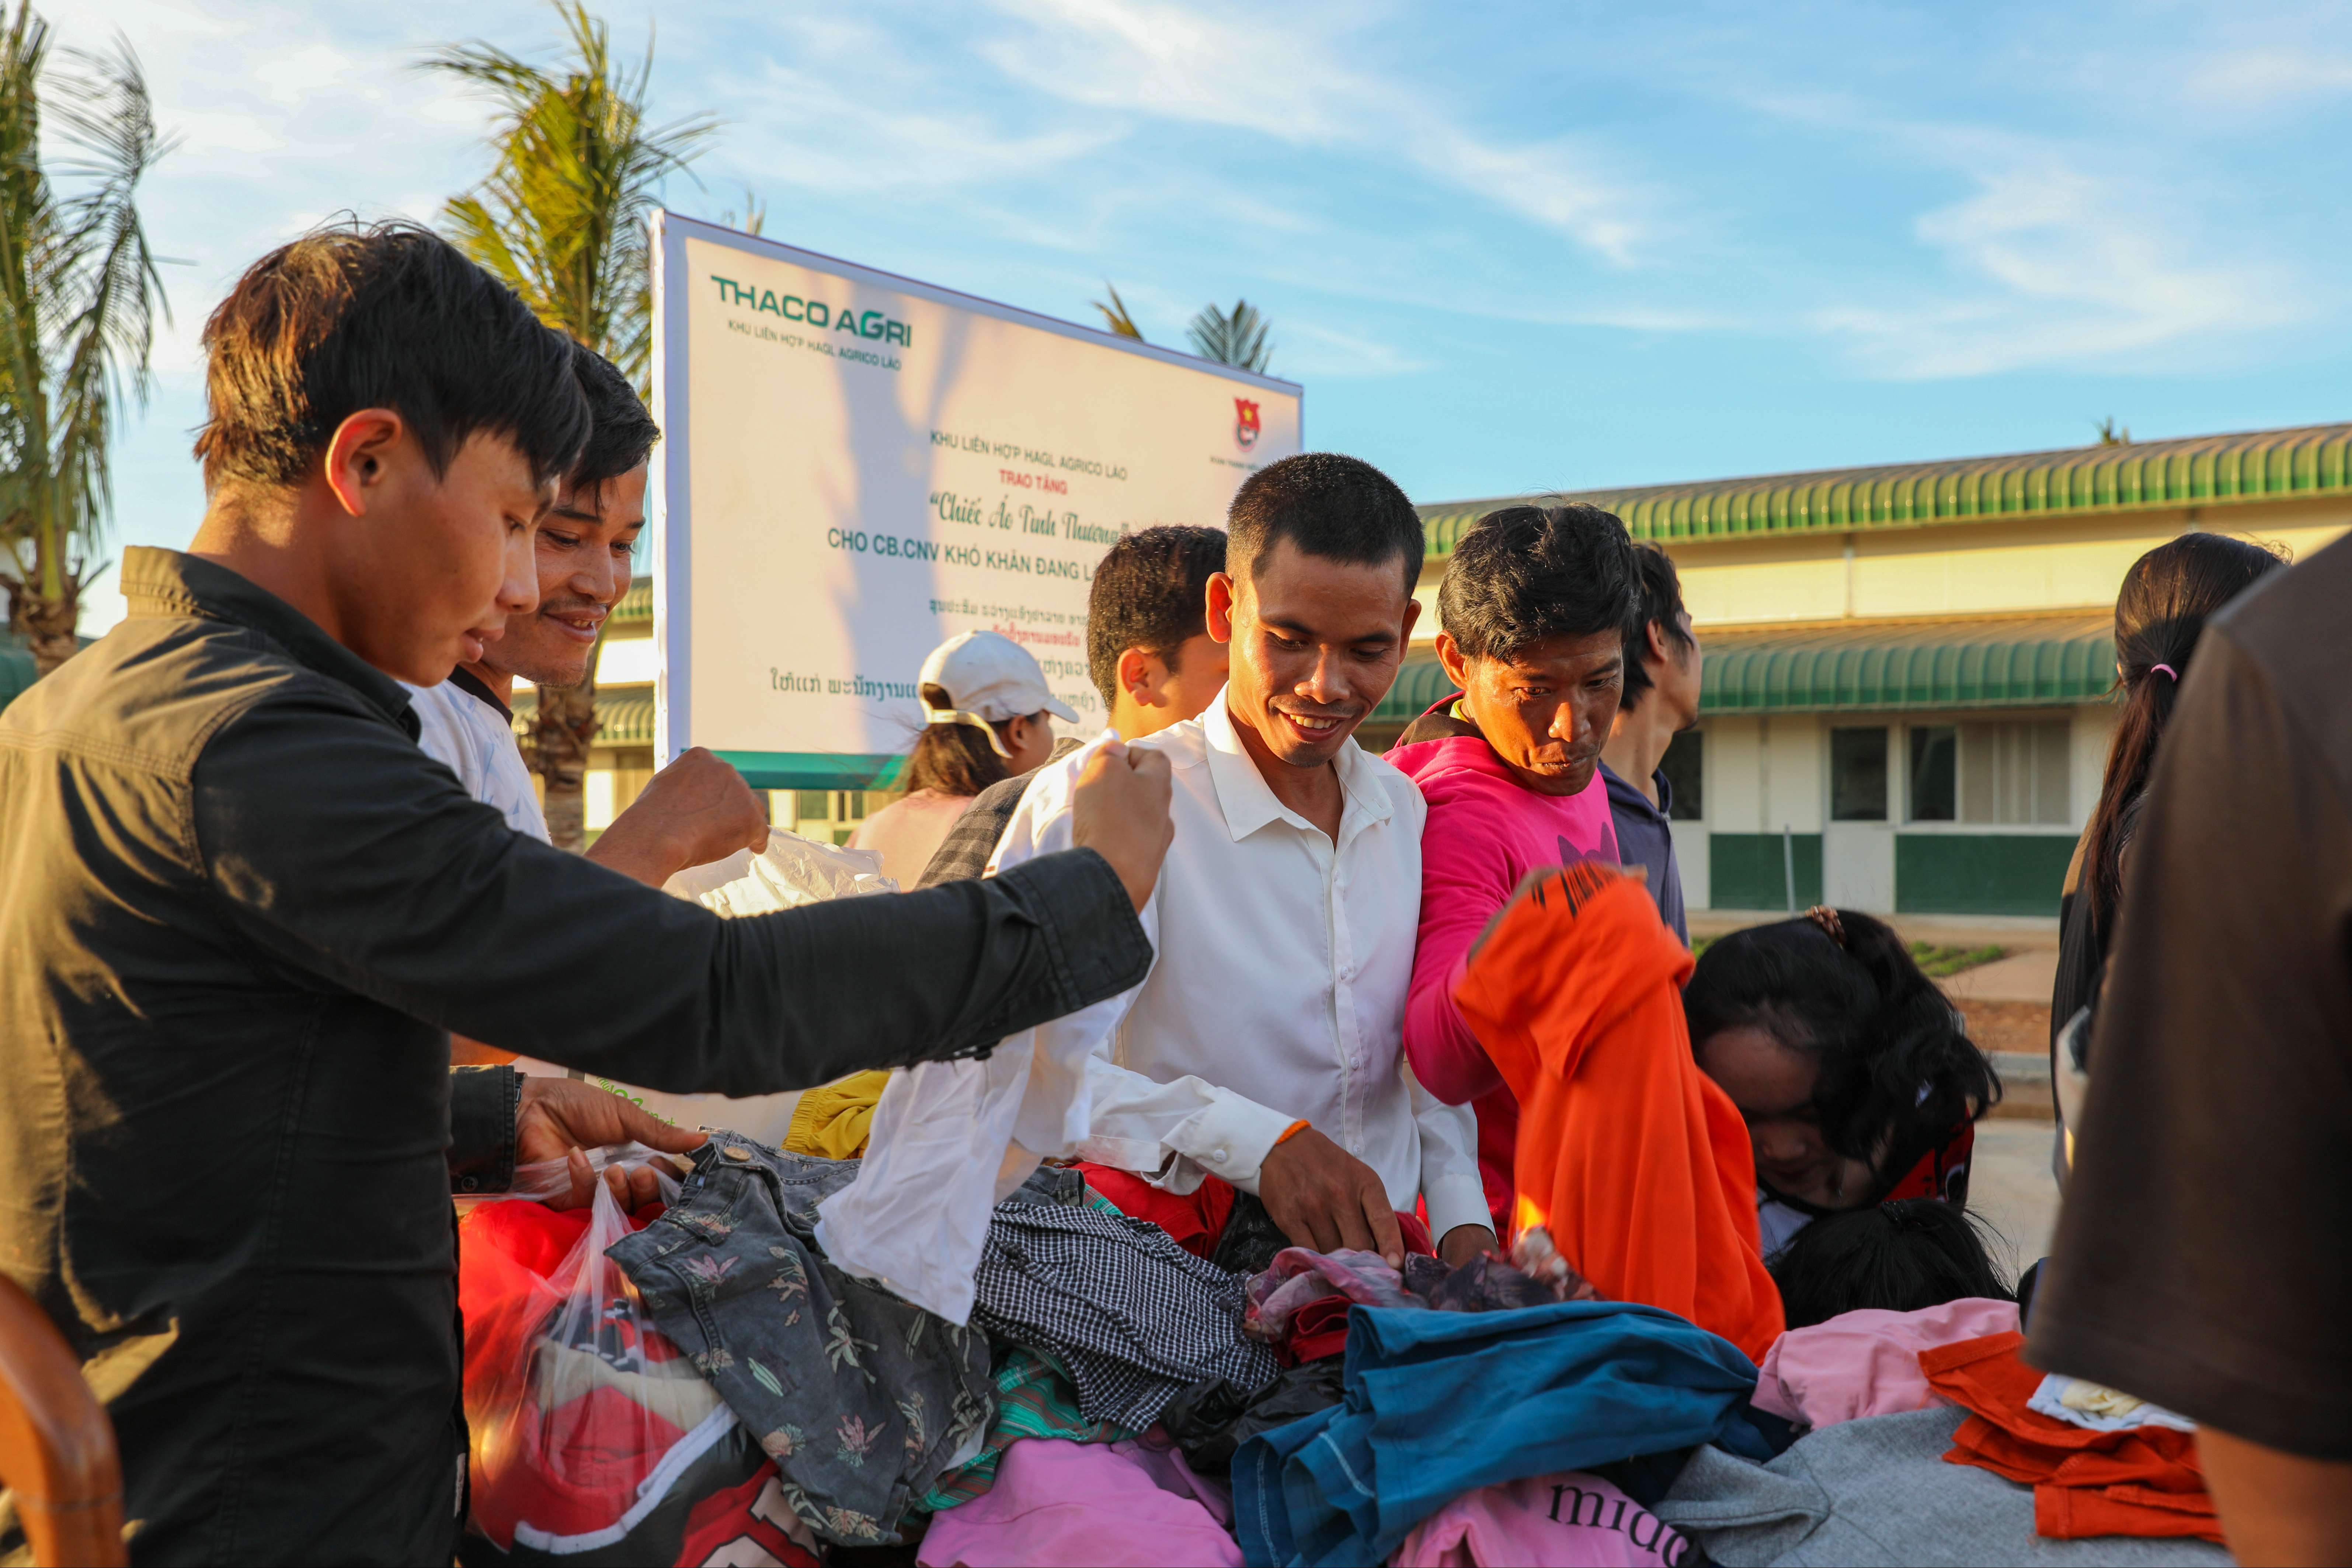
x=988 y=676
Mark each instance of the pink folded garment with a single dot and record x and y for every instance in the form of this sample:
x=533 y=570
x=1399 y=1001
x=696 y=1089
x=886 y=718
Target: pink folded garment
x=1058 y=1504
x=1867 y=1362
x=1565 y=1521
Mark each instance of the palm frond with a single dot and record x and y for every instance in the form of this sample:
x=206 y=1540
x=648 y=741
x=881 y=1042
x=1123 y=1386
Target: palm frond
x=1235 y=338
x=560 y=218
x=1116 y=316
x=79 y=293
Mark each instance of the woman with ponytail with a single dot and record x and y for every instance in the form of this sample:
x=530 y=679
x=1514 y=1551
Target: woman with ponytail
x=2167 y=597
x=1855 y=1077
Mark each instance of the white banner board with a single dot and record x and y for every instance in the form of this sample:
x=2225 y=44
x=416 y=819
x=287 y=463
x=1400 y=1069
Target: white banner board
x=856 y=466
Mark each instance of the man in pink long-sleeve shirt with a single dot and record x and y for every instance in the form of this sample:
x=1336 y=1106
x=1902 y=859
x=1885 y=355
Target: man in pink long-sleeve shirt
x=1538 y=609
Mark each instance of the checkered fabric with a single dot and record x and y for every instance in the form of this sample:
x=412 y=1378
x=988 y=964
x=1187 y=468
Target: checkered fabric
x=1134 y=1318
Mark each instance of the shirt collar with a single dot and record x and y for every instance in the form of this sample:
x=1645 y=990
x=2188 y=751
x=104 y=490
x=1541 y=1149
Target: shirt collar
x=473 y=685
x=169 y=583
x=1248 y=802
x=1623 y=793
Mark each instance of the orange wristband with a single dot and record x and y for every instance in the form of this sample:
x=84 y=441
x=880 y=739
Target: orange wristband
x=1293 y=1130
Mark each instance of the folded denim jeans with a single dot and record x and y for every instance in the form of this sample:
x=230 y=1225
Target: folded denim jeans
x=862 y=1399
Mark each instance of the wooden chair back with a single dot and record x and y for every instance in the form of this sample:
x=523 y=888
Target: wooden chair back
x=56 y=1446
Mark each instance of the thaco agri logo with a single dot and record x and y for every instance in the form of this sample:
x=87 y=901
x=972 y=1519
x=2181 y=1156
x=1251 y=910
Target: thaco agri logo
x=1245 y=425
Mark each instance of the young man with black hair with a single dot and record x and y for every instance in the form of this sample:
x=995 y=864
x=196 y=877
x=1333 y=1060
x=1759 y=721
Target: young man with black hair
x=1151 y=657
x=244 y=910
x=1264 y=1048
x=1539 y=607
x=1662 y=664
x=694 y=810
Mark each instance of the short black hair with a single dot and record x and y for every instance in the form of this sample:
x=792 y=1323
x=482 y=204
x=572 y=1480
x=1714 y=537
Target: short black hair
x=1329 y=505
x=380 y=316
x=1527 y=573
x=1150 y=591
x=621 y=433
x=1661 y=606
x=1899 y=1256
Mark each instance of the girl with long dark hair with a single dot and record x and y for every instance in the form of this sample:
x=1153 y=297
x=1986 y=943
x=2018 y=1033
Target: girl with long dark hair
x=2167 y=597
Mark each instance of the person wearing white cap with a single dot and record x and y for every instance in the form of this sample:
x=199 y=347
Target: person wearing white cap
x=985 y=712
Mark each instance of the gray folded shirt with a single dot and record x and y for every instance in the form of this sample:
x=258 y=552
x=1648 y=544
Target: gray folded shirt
x=1878 y=1491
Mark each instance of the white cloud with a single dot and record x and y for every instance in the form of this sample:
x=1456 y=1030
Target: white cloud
x=1246 y=72
x=2060 y=267
x=1304 y=349
x=288 y=78
x=2261 y=77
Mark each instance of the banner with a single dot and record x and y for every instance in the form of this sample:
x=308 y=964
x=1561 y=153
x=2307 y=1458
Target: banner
x=856 y=466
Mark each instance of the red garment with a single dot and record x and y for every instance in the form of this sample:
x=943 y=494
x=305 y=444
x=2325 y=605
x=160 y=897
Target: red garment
x=2070 y=1513
x=1194 y=1220
x=1639 y=1166
x=2084 y=1482
x=571 y=1411
x=1317 y=1329
x=1942 y=1172
x=746 y=1523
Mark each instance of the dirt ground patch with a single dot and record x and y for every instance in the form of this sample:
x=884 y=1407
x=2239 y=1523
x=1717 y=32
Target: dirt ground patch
x=2022 y=1027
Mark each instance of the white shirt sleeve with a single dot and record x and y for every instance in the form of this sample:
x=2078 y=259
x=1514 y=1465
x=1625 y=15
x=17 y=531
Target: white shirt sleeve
x=1449 y=1183
x=917 y=1215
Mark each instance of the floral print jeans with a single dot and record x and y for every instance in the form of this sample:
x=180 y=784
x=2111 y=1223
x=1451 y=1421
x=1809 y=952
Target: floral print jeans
x=861 y=1399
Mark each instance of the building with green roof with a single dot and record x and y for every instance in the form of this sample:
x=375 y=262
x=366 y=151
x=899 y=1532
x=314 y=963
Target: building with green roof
x=1906 y=700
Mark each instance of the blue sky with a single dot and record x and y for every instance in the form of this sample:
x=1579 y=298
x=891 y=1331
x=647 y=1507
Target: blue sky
x=1505 y=247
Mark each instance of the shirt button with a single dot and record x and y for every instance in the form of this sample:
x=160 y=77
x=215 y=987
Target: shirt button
x=1218 y=1155
x=737 y=1152
x=471 y=1183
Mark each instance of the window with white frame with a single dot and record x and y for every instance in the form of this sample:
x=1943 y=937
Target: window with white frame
x=2012 y=772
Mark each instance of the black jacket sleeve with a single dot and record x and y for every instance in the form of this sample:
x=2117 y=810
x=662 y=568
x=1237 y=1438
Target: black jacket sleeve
x=356 y=859
x=482 y=1106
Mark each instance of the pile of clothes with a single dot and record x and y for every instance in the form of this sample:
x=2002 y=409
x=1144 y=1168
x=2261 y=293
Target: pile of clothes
x=702 y=1383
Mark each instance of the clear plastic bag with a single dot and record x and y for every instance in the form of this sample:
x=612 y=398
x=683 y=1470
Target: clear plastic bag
x=789 y=872
x=583 y=1414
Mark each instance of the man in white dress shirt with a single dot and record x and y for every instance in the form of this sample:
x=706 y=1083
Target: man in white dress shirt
x=1265 y=1048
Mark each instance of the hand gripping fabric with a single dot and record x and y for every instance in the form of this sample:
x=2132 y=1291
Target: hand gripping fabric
x=1636 y=1161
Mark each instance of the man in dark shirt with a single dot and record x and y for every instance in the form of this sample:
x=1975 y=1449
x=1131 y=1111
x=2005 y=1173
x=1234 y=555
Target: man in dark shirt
x=1151 y=655
x=1661 y=700
x=2203 y=1258
x=240 y=910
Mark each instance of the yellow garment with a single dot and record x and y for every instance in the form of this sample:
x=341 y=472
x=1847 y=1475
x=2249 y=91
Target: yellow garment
x=833 y=1121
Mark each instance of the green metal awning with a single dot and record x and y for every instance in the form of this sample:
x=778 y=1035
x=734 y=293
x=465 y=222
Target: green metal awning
x=624 y=715
x=2037 y=661
x=1852 y=666
x=637 y=606
x=2313 y=461
x=1419 y=683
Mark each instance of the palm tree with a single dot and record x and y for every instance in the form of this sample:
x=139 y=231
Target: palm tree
x=1114 y=316
x=79 y=294
x=1237 y=338
x=562 y=219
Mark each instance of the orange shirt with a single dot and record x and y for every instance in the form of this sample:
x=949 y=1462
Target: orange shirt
x=1636 y=1161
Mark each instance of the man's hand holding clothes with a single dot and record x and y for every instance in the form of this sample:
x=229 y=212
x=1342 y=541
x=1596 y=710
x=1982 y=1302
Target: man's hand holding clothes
x=560 y=1116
